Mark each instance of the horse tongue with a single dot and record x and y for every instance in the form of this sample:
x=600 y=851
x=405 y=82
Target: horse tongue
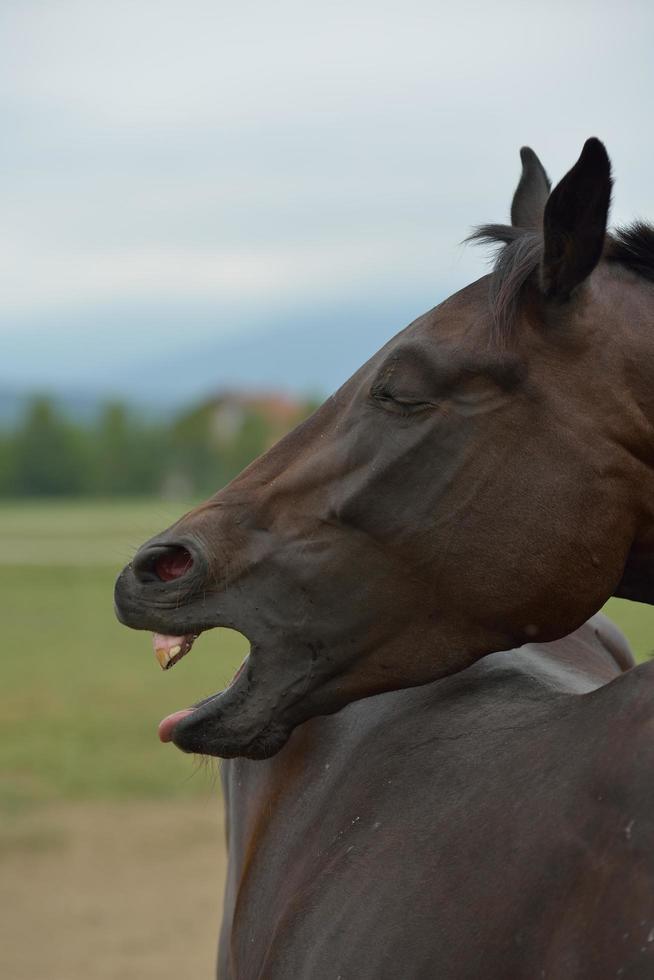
x=167 y=725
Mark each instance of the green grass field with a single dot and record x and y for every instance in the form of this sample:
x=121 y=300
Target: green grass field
x=81 y=695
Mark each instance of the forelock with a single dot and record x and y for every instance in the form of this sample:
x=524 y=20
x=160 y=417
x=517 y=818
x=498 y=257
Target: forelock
x=518 y=257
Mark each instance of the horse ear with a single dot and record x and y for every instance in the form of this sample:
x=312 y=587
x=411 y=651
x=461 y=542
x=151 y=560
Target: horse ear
x=531 y=193
x=574 y=223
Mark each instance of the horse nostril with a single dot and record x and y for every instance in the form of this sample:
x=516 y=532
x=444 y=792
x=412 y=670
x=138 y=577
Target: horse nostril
x=162 y=563
x=172 y=563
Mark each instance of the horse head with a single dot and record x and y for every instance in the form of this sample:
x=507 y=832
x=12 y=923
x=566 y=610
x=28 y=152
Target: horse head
x=484 y=479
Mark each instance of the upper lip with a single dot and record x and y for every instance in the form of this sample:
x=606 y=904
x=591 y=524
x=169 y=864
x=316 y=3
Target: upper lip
x=157 y=616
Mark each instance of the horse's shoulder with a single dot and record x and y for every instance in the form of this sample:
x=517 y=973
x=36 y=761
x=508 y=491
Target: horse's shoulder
x=628 y=704
x=606 y=747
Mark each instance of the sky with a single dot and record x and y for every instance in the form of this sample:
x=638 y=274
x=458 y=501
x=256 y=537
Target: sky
x=186 y=184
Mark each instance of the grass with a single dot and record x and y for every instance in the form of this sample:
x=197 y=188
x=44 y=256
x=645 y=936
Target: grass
x=81 y=695
x=74 y=533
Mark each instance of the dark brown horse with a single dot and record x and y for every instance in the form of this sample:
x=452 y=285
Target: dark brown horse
x=494 y=825
x=484 y=480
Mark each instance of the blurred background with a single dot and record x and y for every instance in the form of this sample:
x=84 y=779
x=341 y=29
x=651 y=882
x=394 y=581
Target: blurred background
x=210 y=214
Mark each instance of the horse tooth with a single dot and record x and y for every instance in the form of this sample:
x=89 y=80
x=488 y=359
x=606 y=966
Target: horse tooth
x=175 y=650
x=162 y=656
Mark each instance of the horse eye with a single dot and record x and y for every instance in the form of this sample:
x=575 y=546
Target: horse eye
x=400 y=404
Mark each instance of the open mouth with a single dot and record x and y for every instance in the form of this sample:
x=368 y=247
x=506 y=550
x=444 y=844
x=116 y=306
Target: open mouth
x=169 y=650
x=164 y=590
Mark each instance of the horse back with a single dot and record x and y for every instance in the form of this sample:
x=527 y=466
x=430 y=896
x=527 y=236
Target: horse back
x=497 y=824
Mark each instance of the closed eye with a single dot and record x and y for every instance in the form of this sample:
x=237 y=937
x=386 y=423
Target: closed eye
x=410 y=383
x=399 y=404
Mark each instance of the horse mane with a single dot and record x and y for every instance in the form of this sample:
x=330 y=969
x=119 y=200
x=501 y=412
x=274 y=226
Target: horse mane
x=519 y=254
x=517 y=259
x=633 y=246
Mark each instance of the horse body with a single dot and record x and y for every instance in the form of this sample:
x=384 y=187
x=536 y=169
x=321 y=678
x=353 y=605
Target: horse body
x=485 y=480
x=498 y=824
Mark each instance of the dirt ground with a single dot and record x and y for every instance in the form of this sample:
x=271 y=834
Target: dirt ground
x=112 y=891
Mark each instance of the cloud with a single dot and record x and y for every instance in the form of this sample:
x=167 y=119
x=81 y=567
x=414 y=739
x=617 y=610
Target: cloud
x=268 y=275
x=256 y=155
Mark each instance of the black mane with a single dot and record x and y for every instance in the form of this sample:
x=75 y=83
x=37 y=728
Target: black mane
x=520 y=253
x=633 y=247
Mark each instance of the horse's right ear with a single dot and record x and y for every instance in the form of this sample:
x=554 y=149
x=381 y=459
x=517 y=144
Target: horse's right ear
x=574 y=223
x=531 y=193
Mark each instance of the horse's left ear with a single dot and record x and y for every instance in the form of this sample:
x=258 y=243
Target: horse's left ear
x=574 y=223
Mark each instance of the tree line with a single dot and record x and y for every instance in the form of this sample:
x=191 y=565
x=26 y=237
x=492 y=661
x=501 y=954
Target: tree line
x=119 y=453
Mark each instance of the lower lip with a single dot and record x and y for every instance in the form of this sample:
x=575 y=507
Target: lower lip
x=167 y=725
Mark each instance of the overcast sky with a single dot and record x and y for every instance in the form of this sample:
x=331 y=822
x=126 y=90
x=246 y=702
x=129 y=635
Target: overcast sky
x=175 y=171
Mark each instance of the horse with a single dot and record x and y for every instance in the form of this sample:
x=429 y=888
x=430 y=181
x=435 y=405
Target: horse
x=497 y=823
x=482 y=483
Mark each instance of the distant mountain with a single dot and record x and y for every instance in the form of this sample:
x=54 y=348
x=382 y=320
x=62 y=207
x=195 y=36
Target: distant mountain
x=305 y=352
